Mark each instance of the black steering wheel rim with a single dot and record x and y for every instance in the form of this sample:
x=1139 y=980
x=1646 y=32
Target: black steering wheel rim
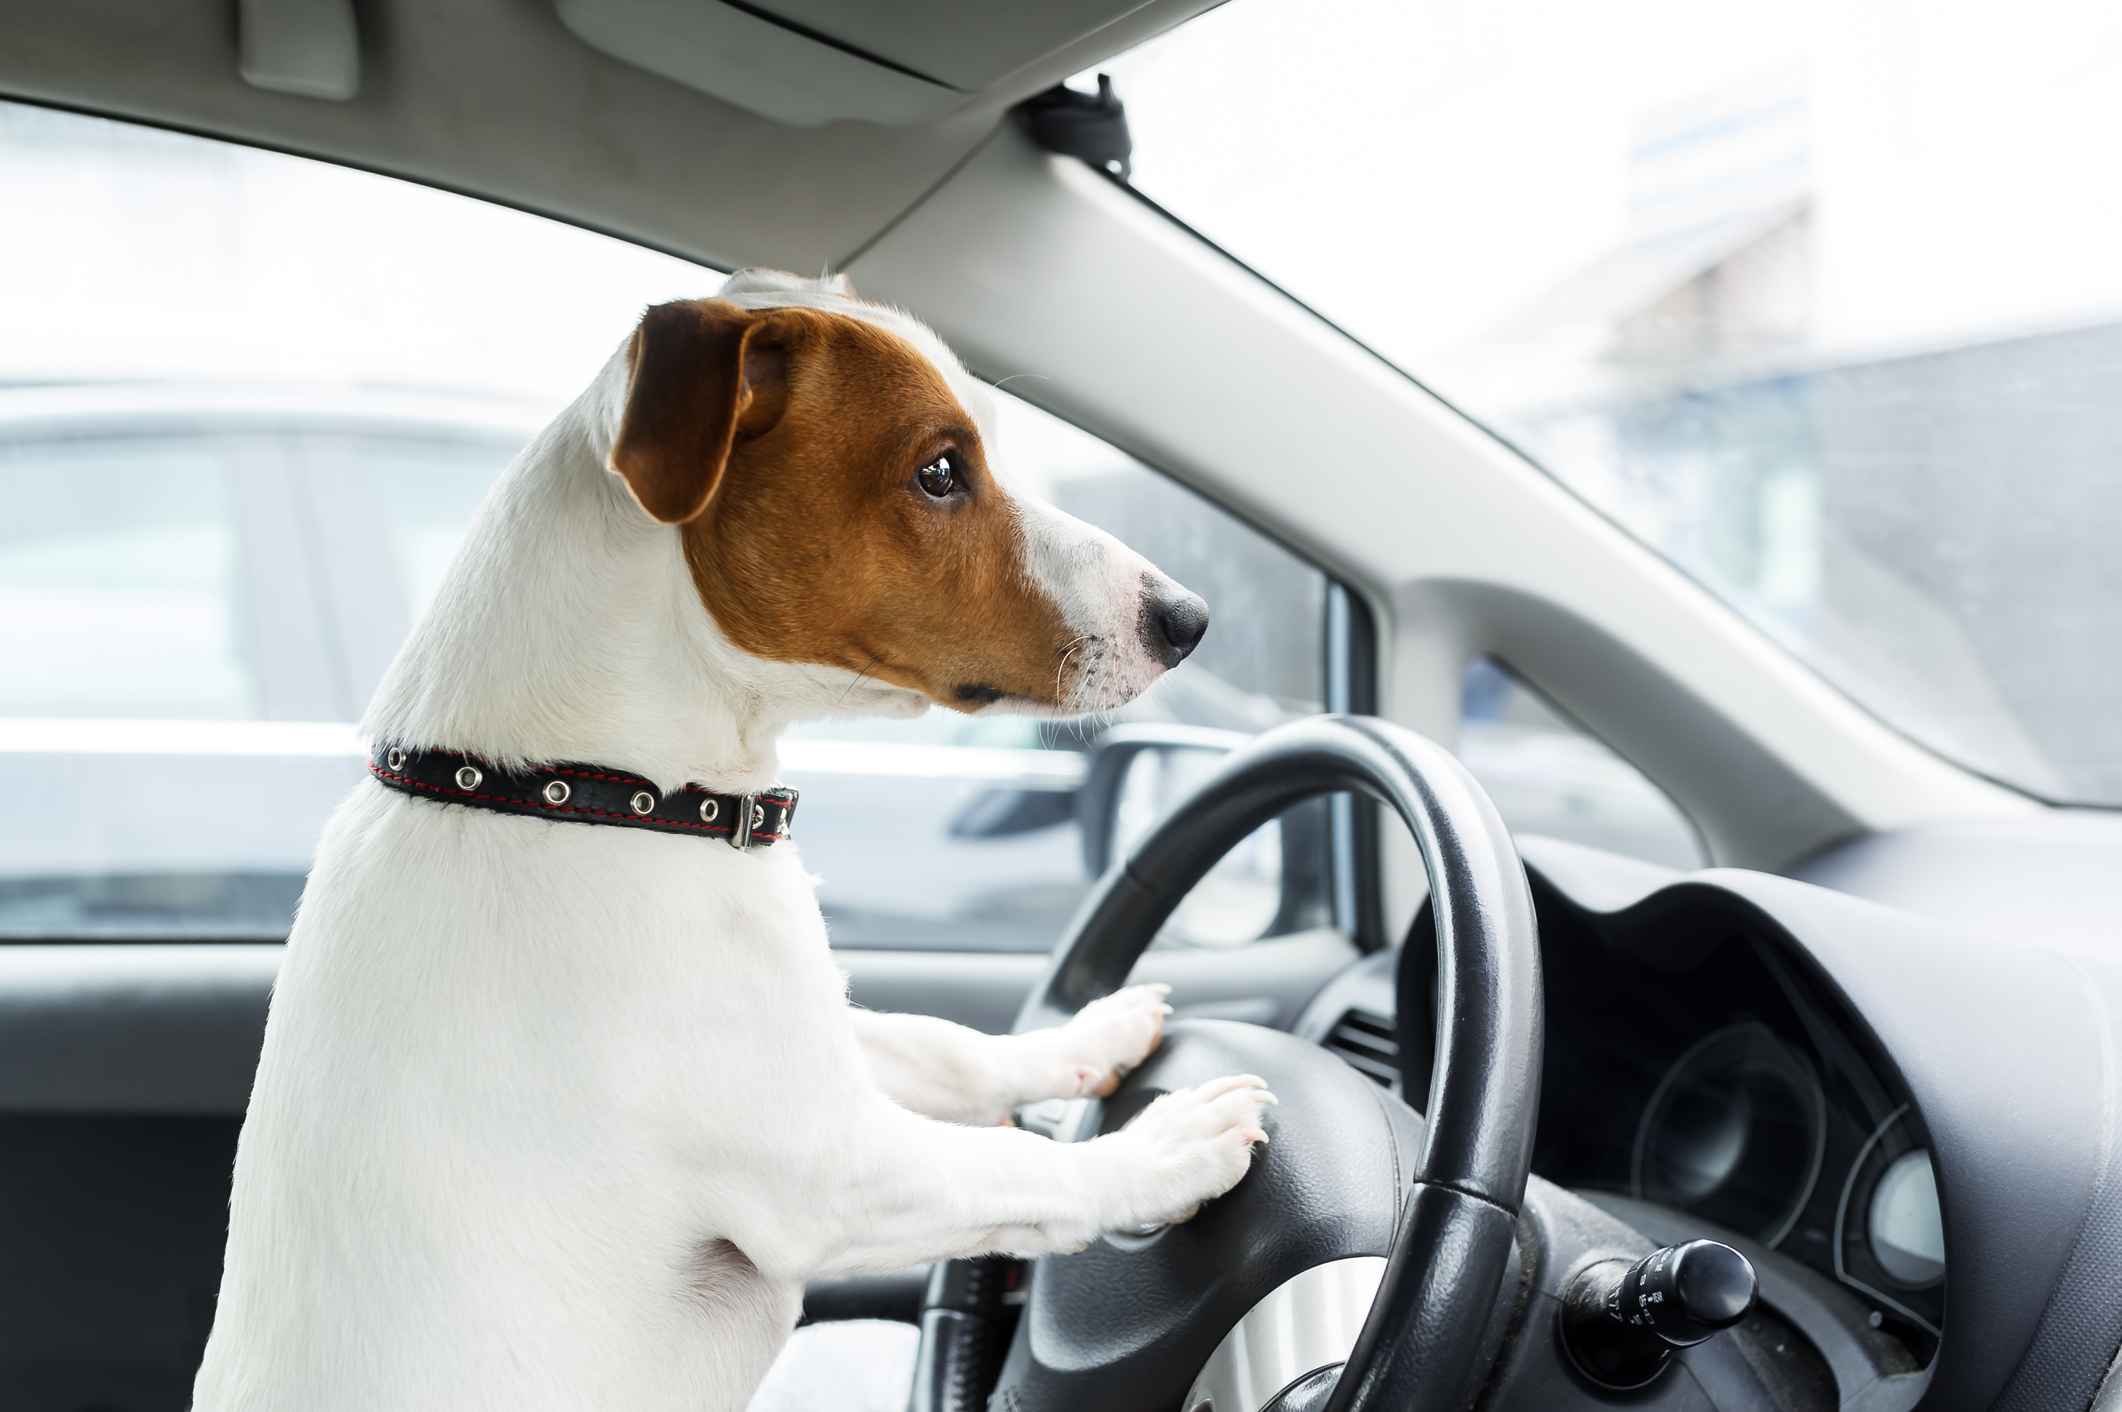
x=1488 y=959
x=1422 y=1345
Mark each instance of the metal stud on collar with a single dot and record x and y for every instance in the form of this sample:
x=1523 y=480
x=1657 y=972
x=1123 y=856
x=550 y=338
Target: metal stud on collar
x=395 y=760
x=643 y=803
x=709 y=809
x=468 y=777
x=556 y=792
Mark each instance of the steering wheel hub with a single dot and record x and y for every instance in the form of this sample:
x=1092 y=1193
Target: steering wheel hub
x=1132 y=1320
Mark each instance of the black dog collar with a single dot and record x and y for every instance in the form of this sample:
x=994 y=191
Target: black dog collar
x=585 y=794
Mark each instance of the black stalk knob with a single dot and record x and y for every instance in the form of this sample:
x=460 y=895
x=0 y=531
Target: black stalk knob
x=1621 y=1322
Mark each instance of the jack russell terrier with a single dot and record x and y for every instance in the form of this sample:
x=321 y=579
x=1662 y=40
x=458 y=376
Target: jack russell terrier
x=559 y=1116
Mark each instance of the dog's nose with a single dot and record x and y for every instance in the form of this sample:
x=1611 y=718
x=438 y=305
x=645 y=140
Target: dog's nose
x=1173 y=621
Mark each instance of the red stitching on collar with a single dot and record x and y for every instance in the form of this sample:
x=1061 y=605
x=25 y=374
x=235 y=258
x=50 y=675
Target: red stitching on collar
x=777 y=794
x=597 y=775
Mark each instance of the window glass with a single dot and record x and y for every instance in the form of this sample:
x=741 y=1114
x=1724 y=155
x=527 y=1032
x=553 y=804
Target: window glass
x=119 y=560
x=413 y=487
x=222 y=525
x=1820 y=301
x=1548 y=776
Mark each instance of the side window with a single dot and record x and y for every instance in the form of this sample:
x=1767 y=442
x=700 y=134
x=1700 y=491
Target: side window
x=1548 y=776
x=222 y=518
x=120 y=560
x=219 y=531
x=413 y=487
x=985 y=846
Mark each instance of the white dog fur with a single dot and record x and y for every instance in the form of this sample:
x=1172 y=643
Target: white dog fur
x=557 y=1116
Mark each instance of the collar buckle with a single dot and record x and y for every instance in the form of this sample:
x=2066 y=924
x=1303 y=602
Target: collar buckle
x=740 y=834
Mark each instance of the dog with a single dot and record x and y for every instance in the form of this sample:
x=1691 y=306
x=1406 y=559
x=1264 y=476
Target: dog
x=561 y=1116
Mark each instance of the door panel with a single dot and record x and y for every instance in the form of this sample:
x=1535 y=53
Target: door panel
x=123 y=1075
x=131 y=1030
x=111 y=1230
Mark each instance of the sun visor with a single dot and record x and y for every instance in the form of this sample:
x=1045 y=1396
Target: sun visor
x=806 y=63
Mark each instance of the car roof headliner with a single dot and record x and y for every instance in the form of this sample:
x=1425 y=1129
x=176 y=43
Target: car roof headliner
x=501 y=99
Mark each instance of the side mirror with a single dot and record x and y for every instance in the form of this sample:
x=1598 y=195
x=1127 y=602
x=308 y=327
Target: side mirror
x=1112 y=797
x=1135 y=775
x=1007 y=811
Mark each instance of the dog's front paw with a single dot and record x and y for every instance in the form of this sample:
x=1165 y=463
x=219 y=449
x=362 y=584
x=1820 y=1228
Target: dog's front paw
x=1103 y=1041
x=1188 y=1148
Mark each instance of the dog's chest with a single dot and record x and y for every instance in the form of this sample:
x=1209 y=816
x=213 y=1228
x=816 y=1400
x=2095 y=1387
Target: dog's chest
x=736 y=936
x=584 y=956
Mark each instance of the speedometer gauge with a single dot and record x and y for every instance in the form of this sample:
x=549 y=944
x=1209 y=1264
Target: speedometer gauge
x=1890 y=1230
x=1734 y=1133
x=1907 y=1230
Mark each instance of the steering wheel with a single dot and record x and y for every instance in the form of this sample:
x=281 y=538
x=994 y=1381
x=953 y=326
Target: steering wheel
x=1362 y=1263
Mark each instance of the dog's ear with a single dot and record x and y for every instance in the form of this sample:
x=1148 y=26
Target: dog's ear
x=706 y=375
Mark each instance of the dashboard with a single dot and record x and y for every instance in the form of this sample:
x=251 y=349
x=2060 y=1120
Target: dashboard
x=1896 y=1079
x=1697 y=1068
x=1691 y=1063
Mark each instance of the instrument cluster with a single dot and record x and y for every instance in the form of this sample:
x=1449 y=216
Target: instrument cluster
x=1691 y=1062
x=1696 y=1060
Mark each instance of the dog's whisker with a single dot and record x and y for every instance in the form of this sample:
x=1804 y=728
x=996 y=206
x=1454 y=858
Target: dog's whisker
x=1062 y=667
x=856 y=682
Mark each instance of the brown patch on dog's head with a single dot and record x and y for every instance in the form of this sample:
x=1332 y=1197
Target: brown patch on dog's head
x=788 y=445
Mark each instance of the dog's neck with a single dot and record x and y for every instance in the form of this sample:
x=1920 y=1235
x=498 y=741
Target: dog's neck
x=569 y=628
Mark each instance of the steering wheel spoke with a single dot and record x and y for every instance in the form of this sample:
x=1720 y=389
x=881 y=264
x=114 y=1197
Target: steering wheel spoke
x=1062 y=1119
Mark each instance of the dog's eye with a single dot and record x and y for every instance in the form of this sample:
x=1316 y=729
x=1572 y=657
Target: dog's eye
x=940 y=476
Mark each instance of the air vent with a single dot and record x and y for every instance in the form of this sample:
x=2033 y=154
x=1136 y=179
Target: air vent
x=1365 y=1040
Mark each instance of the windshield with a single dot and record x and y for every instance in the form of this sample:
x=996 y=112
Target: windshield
x=1823 y=302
